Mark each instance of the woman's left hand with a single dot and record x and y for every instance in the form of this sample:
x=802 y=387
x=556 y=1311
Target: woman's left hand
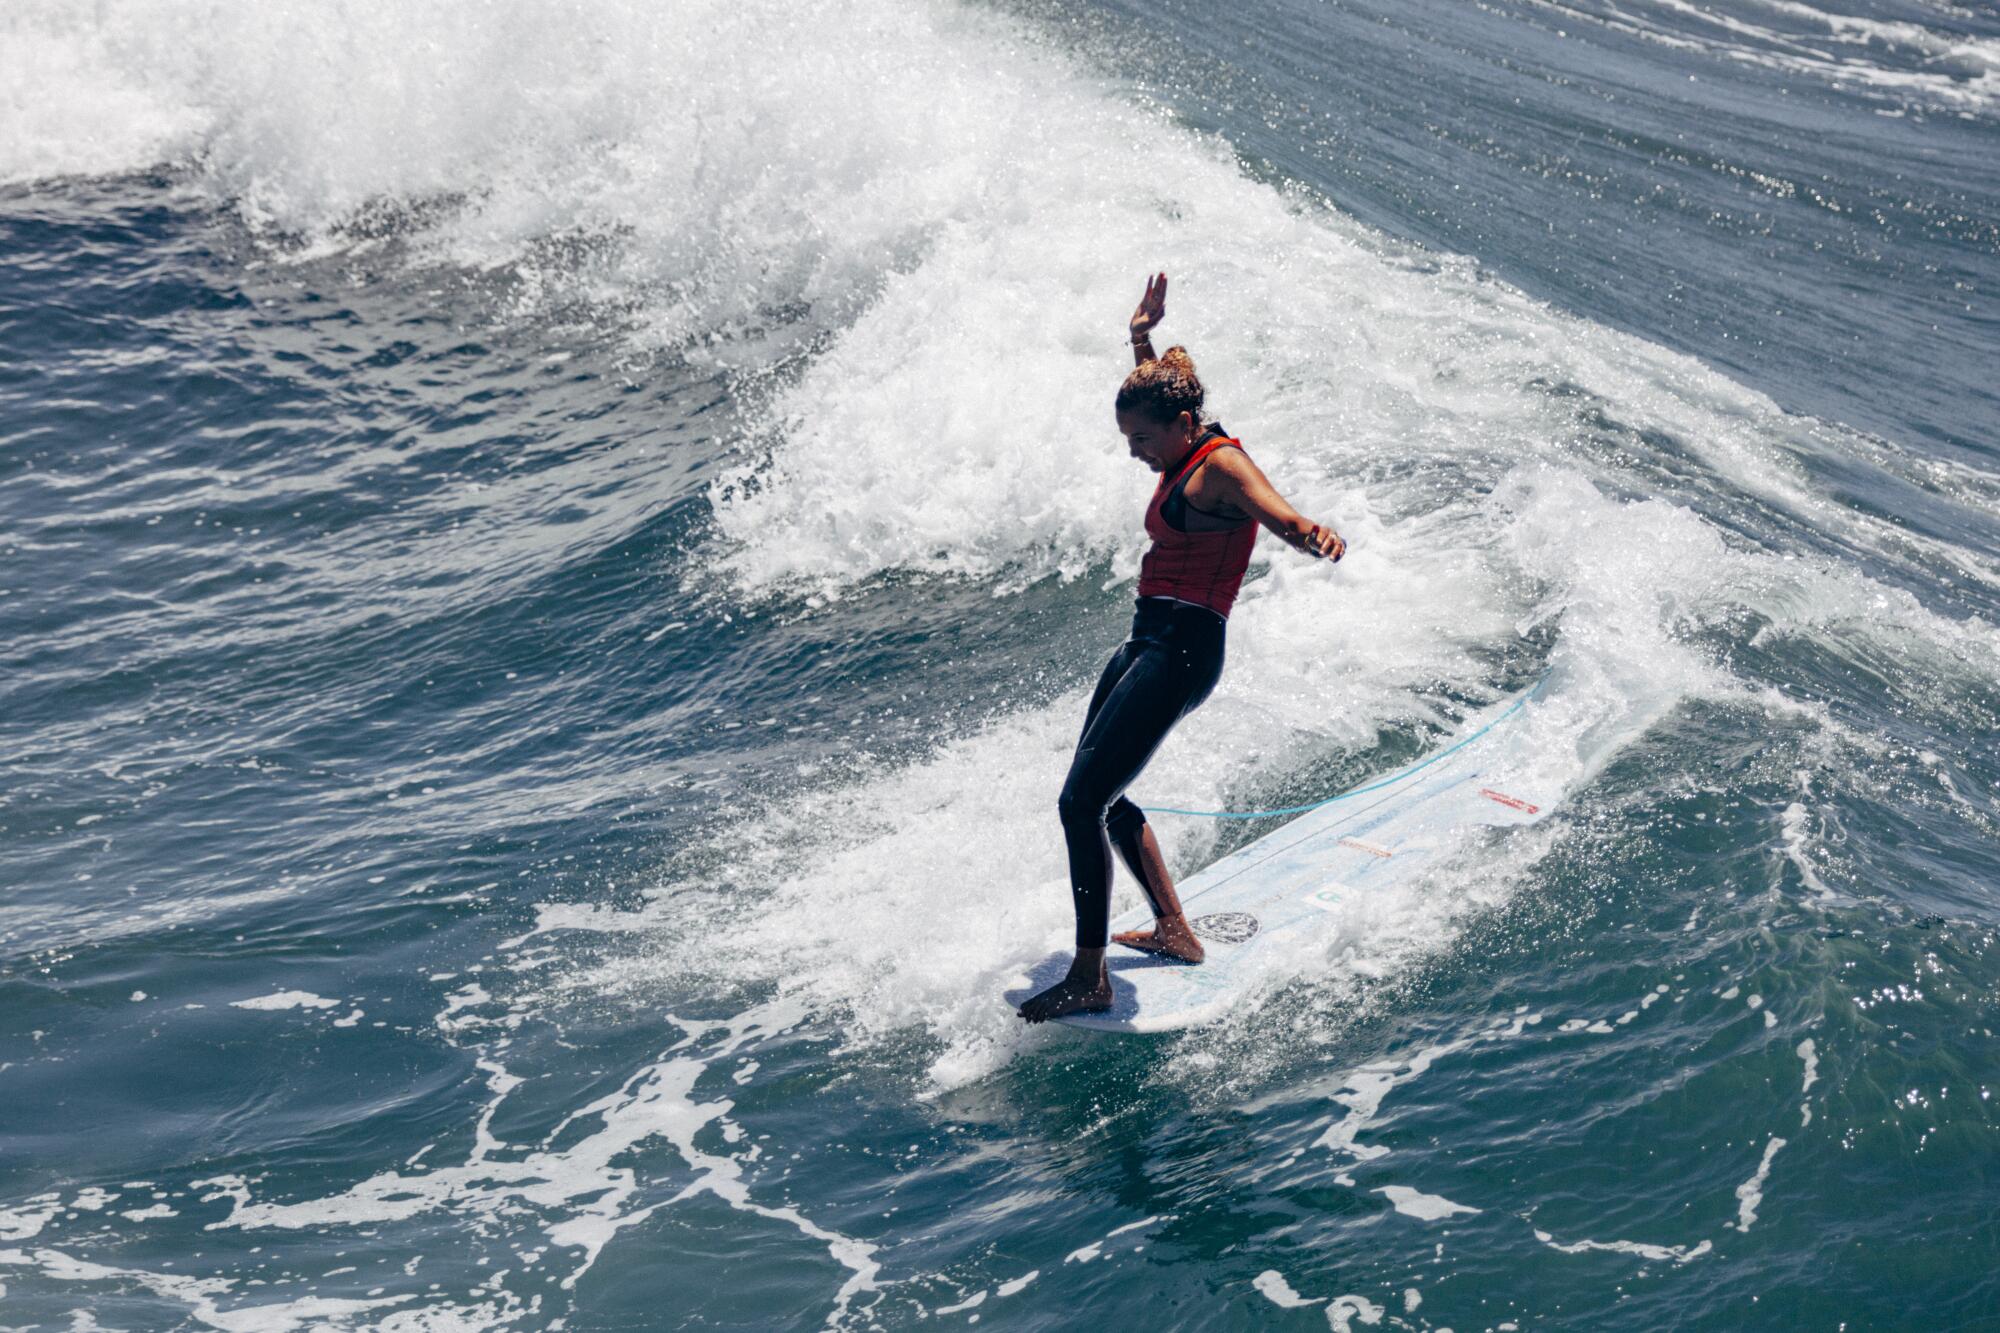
x=1325 y=542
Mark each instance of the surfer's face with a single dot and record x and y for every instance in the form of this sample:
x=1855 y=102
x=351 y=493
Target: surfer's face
x=1158 y=444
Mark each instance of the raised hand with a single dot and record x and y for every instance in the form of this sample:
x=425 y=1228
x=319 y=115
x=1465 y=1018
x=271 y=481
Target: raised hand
x=1152 y=307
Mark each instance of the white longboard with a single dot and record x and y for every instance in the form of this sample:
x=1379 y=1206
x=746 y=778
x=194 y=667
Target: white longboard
x=1276 y=895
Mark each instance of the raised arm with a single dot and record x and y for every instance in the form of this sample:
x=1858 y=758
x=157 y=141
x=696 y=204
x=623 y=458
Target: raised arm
x=1248 y=489
x=1152 y=309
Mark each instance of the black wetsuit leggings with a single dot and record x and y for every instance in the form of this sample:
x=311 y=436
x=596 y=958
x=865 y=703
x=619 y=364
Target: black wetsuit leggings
x=1164 y=670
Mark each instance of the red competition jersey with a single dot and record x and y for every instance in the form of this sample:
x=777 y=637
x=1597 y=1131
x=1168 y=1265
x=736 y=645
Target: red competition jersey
x=1205 y=568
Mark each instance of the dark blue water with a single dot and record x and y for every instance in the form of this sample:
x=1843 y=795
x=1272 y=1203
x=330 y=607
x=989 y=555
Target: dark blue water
x=551 y=561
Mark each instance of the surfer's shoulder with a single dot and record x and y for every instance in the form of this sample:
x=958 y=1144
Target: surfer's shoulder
x=1232 y=462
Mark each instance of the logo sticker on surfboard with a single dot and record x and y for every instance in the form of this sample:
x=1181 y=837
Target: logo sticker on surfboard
x=1327 y=899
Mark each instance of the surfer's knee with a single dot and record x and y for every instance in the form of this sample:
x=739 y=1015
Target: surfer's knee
x=1124 y=820
x=1079 y=806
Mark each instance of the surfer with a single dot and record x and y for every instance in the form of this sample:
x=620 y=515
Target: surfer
x=1203 y=521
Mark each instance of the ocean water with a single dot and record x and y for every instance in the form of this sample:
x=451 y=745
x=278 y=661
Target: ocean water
x=552 y=556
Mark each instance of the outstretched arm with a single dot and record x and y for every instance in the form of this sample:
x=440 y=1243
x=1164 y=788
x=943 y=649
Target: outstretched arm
x=1248 y=489
x=1152 y=309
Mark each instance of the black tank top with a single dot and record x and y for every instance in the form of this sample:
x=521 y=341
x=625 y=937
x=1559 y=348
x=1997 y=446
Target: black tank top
x=1174 y=509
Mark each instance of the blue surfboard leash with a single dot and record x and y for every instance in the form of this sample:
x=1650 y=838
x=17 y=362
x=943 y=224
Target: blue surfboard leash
x=1514 y=708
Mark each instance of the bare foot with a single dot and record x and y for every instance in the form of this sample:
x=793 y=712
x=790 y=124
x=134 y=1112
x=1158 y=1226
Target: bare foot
x=1170 y=935
x=1086 y=990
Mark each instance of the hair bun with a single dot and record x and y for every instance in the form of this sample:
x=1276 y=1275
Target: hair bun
x=1163 y=387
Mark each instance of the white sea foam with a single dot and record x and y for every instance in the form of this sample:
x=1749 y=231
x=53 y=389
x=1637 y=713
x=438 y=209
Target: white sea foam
x=1341 y=1314
x=1367 y=1087
x=1809 y=1054
x=1750 y=1194
x=583 y=1190
x=725 y=199
x=26 y=1220
x=1273 y=1287
x=285 y=999
x=1363 y=1089
x=1794 y=826
x=1678 y=1254
x=1422 y=1206
x=204 y=1297
x=69 y=105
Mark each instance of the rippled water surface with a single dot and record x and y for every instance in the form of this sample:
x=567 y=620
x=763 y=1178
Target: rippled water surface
x=552 y=557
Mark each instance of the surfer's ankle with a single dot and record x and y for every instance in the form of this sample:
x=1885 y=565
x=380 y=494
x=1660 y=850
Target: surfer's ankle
x=1081 y=992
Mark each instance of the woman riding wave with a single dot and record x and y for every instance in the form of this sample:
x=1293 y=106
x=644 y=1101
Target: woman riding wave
x=1203 y=521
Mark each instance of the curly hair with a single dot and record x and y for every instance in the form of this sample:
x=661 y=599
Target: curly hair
x=1163 y=388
